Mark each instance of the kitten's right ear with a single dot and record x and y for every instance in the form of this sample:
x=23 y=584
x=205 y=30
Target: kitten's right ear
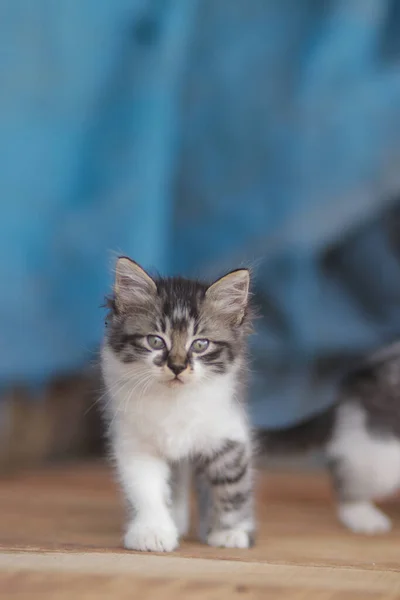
x=132 y=285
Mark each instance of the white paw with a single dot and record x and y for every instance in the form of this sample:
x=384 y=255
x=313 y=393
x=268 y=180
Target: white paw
x=363 y=517
x=151 y=537
x=229 y=538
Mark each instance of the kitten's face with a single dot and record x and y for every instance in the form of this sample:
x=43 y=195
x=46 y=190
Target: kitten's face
x=176 y=332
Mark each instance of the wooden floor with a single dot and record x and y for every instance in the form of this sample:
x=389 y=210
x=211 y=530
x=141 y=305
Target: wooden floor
x=60 y=539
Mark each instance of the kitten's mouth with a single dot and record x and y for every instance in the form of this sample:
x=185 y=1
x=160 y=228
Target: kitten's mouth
x=175 y=382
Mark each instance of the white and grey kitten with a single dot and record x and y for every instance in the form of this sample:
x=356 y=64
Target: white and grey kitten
x=174 y=363
x=360 y=435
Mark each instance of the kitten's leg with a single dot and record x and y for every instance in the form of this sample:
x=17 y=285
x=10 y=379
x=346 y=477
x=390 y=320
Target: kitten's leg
x=364 y=467
x=229 y=475
x=355 y=508
x=204 y=504
x=145 y=480
x=180 y=492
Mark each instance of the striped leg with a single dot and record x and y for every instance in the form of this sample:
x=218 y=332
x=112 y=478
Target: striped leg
x=229 y=475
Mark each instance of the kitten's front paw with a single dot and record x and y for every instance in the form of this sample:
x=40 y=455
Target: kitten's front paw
x=150 y=537
x=363 y=517
x=230 y=538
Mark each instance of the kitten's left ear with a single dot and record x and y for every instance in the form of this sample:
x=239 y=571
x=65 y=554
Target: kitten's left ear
x=230 y=294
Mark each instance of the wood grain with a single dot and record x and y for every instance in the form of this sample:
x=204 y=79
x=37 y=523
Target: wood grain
x=60 y=532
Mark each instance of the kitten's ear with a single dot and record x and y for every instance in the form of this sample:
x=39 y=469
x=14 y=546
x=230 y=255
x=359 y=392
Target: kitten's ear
x=230 y=294
x=132 y=285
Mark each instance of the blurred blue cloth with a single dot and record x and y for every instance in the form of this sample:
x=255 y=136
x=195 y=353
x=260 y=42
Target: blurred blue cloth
x=197 y=137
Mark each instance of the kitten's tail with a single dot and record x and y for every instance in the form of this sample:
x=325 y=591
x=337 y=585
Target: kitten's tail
x=309 y=434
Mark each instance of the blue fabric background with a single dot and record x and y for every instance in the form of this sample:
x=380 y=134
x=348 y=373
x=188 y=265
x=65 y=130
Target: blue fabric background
x=196 y=137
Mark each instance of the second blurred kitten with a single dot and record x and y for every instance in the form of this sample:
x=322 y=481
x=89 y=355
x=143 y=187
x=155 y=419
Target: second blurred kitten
x=360 y=435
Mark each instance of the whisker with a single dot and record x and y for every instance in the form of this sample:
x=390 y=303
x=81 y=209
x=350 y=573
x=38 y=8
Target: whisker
x=106 y=391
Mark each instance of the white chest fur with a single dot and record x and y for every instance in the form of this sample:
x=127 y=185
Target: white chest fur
x=178 y=422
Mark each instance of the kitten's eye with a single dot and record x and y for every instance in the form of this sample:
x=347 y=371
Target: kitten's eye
x=200 y=345
x=155 y=342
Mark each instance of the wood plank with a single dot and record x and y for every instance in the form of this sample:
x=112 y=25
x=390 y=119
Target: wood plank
x=30 y=585
x=61 y=526
x=230 y=575
x=78 y=508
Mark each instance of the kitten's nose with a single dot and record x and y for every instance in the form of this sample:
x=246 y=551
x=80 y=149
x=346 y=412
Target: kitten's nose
x=176 y=368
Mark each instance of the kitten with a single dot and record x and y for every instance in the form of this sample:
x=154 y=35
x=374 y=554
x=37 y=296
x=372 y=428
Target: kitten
x=360 y=435
x=174 y=365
